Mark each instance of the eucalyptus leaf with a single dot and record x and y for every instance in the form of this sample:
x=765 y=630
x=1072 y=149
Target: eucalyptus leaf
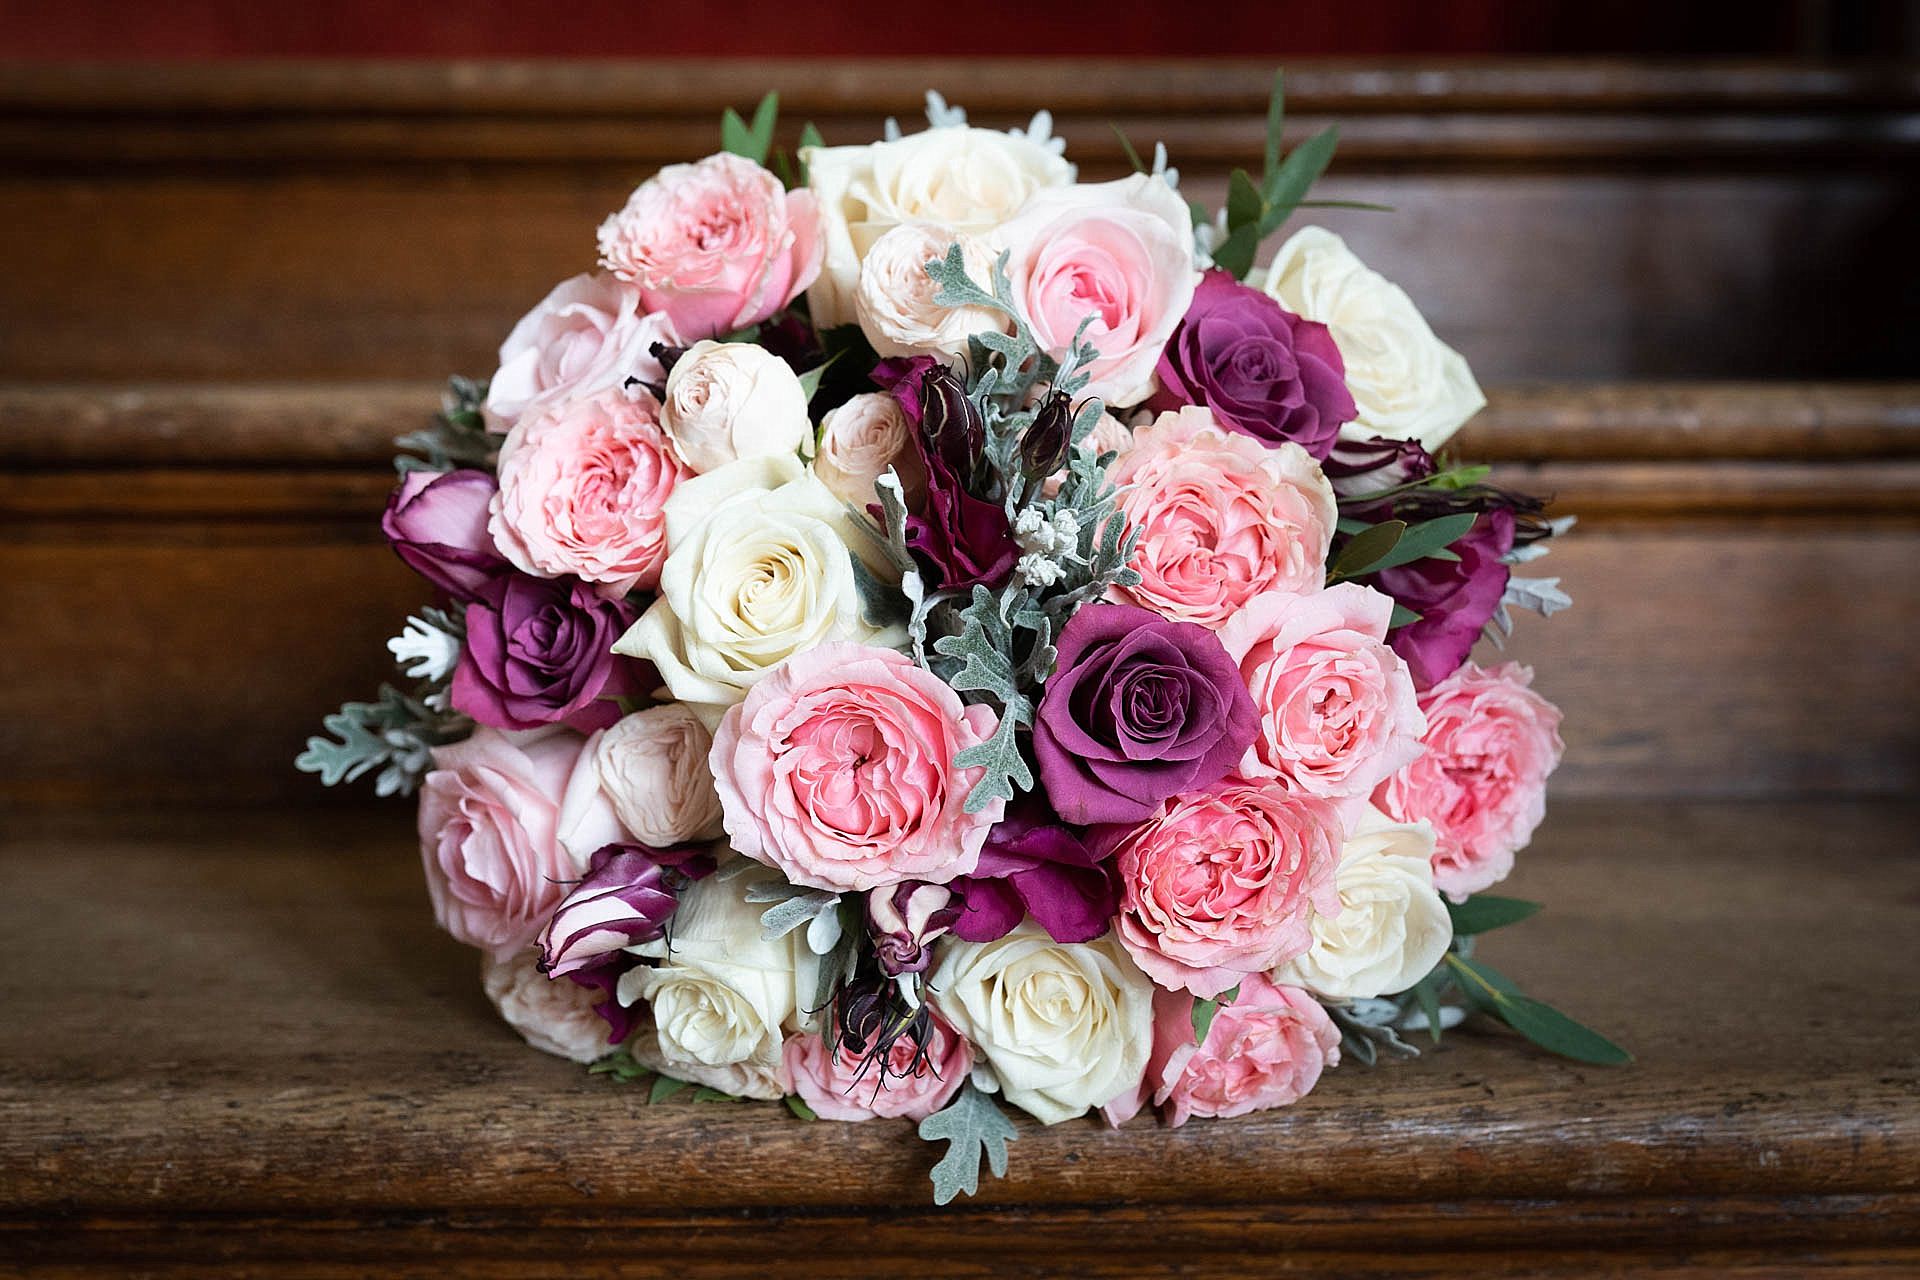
x=1484 y=911
x=1244 y=206
x=665 y=1087
x=1428 y=538
x=1366 y=549
x=1276 y=121
x=798 y=1105
x=1402 y=616
x=1555 y=1032
x=1204 y=1012
x=1287 y=186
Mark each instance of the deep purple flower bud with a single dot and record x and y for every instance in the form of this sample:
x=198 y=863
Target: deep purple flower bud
x=1360 y=469
x=905 y=919
x=951 y=421
x=1043 y=449
x=625 y=899
x=437 y=523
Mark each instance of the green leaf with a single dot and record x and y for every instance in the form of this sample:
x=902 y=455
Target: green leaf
x=798 y=1105
x=1203 y=1015
x=1483 y=911
x=1287 y=186
x=1126 y=149
x=810 y=135
x=707 y=1093
x=664 y=1087
x=1199 y=213
x=1244 y=205
x=970 y=1124
x=1366 y=549
x=1426 y=994
x=810 y=380
x=1555 y=1032
x=755 y=140
x=1276 y=118
x=1428 y=538
x=1234 y=255
x=1402 y=616
x=1367 y=205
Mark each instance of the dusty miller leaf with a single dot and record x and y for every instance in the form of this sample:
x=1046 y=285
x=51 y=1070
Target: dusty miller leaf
x=1542 y=595
x=970 y=1124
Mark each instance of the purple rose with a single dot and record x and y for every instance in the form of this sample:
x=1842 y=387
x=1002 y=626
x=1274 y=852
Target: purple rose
x=1264 y=371
x=1139 y=708
x=437 y=523
x=1454 y=598
x=1034 y=865
x=626 y=897
x=540 y=651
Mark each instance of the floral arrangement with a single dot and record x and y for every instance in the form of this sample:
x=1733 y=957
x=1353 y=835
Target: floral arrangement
x=920 y=632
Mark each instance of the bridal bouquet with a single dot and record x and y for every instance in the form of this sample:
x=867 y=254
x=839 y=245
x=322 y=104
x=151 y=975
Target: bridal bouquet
x=919 y=633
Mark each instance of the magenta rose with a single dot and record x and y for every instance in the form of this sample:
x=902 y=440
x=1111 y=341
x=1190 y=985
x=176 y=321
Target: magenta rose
x=1139 y=708
x=436 y=521
x=539 y=651
x=1264 y=371
x=1454 y=598
x=1491 y=743
x=1222 y=882
x=716 y=246
x=1035 y=865
x=914 y=1080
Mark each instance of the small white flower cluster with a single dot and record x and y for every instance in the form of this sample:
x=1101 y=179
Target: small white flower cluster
x=1049 y=544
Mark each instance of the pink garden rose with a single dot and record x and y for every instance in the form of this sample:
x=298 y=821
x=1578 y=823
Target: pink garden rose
x=1338 y=713
x=1491 y=744
x=838 y=770
x=1222 y=517
x=589 y=335
x=716 y=245
x=1221 y=882
x=830 y=1080
x=489 y=835
x=1264 y=1050
x=1121 y=252
x=582 y=484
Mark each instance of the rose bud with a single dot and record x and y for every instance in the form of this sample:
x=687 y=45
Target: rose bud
x=437 y=523
x=625 y=899
x=1362 y=468
x=950 y=420
x=905 y=919
x=1043 y=449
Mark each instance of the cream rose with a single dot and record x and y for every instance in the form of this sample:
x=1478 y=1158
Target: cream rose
x=758 y=569
x=1062 y=1026
x=554 y=1017
x=1392 y=927
x=741 y=1079
x=956 y=179
x=894 y=301
x=731 y=400
x=1406 y=383
x=652 y=765
x=859 y=441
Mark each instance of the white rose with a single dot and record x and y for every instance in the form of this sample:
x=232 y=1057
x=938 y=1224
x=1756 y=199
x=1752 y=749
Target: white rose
x=1392 y=927
x=653 y=767
x=589 y=335
x=859 y=441
x=894 y=300
x=723 y=995
x=741 y=1079
x=757 y=569
x=959 y=179
x=731 y=400
x=1063 y=1026
x=1406 y=383
x=555 y=1017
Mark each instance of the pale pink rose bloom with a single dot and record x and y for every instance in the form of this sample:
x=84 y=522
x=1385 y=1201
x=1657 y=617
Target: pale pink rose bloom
x=1222 y=518
x=588 y=818
x=838 y=770
x=554 y=1017
x=1120 y=252
x=859 y=441
x=1222 y=882
x=1338 y=711
x=488 y=819
x=1491 y=743
x=716 y=245
x=582 y=485
x=1264 y=1050
x=832 y=1083
x=589 y=335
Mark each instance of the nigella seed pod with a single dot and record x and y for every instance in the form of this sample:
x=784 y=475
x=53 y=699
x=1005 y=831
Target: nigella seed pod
x=1043 y=449
x=952 y=422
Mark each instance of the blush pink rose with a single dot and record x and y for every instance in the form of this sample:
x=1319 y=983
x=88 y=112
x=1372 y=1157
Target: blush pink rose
x=716 y=245
x=1491 y=743
x=1266 y=1049
x=1222 y=518
x=582 y=485
x=838 y=770
x=489 y=823
x=1222 y=882
x=911 y=1086
x=1120 y=252
x=589 y=335
x=1338 y=712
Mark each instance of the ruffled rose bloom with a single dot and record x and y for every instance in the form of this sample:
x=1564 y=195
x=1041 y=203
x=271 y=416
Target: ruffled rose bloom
x=908 y=1084
x=540 y=651
x=488 y=819
x=1338 y=713
x=894 y=301
x=553 y=1017
x=587 y=821
x=1120 y=252
x=754 y=1078
x=1222 y=882
x=957 y=180
x=652 y=765
x=838 y=770
x=731 y=400
x=722 y=994
x=582 y=483
x=1266 y=1049
x=1061 y=1026
x=1406 y=383
x=1392 y=927
x=759 y=569
x=859 y=441
x=436 y=521
x=715 y=246
x=1264 y=371
x=588 y=336
x=1221 y=517
x=1491 y=742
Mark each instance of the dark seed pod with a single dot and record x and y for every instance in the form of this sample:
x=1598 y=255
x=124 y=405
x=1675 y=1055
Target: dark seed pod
x=1043 y=449
x=952 y=422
